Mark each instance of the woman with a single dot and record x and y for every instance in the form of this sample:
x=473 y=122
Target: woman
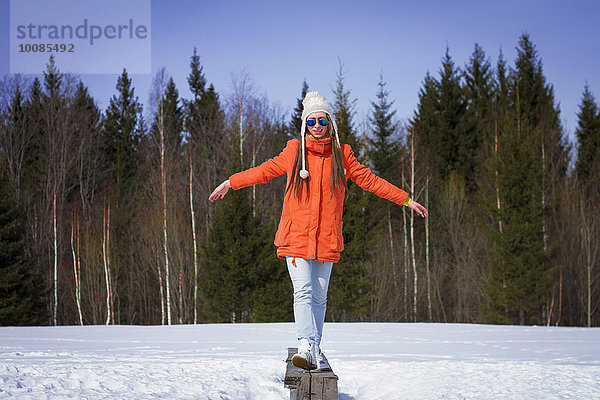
x=309 y=236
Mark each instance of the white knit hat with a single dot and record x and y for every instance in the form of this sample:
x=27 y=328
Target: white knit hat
x=314 y=102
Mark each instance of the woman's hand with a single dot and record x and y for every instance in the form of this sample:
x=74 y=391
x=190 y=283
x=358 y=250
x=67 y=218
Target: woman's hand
x=220 y=191
x=419 y=209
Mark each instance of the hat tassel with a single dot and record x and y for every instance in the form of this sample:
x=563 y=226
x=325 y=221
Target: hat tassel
x=303 y=171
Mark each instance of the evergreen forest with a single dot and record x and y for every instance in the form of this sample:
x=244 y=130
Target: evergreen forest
x=105 y=218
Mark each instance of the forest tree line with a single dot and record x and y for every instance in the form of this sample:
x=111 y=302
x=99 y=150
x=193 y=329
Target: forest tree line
x=105 y=218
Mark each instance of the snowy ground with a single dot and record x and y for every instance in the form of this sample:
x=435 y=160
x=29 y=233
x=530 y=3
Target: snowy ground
x=246 y=361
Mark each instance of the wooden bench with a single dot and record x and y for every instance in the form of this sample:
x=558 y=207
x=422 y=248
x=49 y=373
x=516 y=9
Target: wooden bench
x=309 y=385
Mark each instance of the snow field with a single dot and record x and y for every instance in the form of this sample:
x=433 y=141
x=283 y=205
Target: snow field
x=246 y=361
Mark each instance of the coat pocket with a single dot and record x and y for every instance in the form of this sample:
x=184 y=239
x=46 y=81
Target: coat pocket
x=282 y=237
x=337 y=239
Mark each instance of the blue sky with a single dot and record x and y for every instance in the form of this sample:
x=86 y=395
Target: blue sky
x=280 y=43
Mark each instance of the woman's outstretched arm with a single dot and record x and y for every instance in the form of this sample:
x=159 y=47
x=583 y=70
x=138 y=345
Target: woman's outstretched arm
x=220 y=191
x=367 y=180
x=262 y=173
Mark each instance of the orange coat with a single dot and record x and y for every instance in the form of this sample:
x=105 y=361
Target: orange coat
x=312 y=229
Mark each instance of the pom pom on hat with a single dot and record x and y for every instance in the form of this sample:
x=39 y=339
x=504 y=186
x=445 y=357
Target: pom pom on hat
x=314 y=102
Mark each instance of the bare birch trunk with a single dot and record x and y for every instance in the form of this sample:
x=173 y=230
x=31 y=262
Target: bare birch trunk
x=560 y=290
x=412 y=228
x=106 y=260
x=162 y=295
x=241 y=137
x=496 y=173
x=590 y=251
x=79 y=274
x=544 y=227
x=55 y=242
x=589 y=293
x=163 y=180
x=414 y=265
x=518 y=112
x=252 y=165
x=406 y=259
x=76 y=268
x=394 y=272
x=165 y=233
x=181 y=305
x=195 y=243
x=427 y=252
x=589 y=281
x=550 y=307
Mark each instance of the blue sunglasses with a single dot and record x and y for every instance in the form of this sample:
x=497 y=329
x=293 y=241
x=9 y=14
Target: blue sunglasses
x=313 y=122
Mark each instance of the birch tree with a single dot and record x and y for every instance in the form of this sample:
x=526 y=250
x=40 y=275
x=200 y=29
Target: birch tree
x=75 y=249
x=207 y=156
x=106 y=259
x=58 y=139
x=166 y=133
x=385 y=156
x=122 y=127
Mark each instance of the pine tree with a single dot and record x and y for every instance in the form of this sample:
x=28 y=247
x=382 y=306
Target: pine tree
x=122 y=129
x=206 y=155
x=500 y=103
x=457 y=146
x=384 y=144
x=343 y=110
x=196 y=79
x=233 y=256
x=295 y=125
x=517 y=283
x=479 y=86
x=32 y=186
x=19 y=302
x=35 y=157
x=15 y=138
x=120 y=132
x=425 y=120
x=588 y=138
x=204 y=109
x=207 y=145
x=223 y=283
x=204 y=122
x=385 y=157
x=583 y=217
x=447 y=142
x=172 y=119
x=490 y=194
x=272 y=297
x=530 y=165
x=87 y=126
x=442 y=125
x=479 y=94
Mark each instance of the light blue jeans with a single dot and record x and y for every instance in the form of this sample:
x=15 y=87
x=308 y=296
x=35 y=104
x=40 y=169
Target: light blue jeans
x=311 y=280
